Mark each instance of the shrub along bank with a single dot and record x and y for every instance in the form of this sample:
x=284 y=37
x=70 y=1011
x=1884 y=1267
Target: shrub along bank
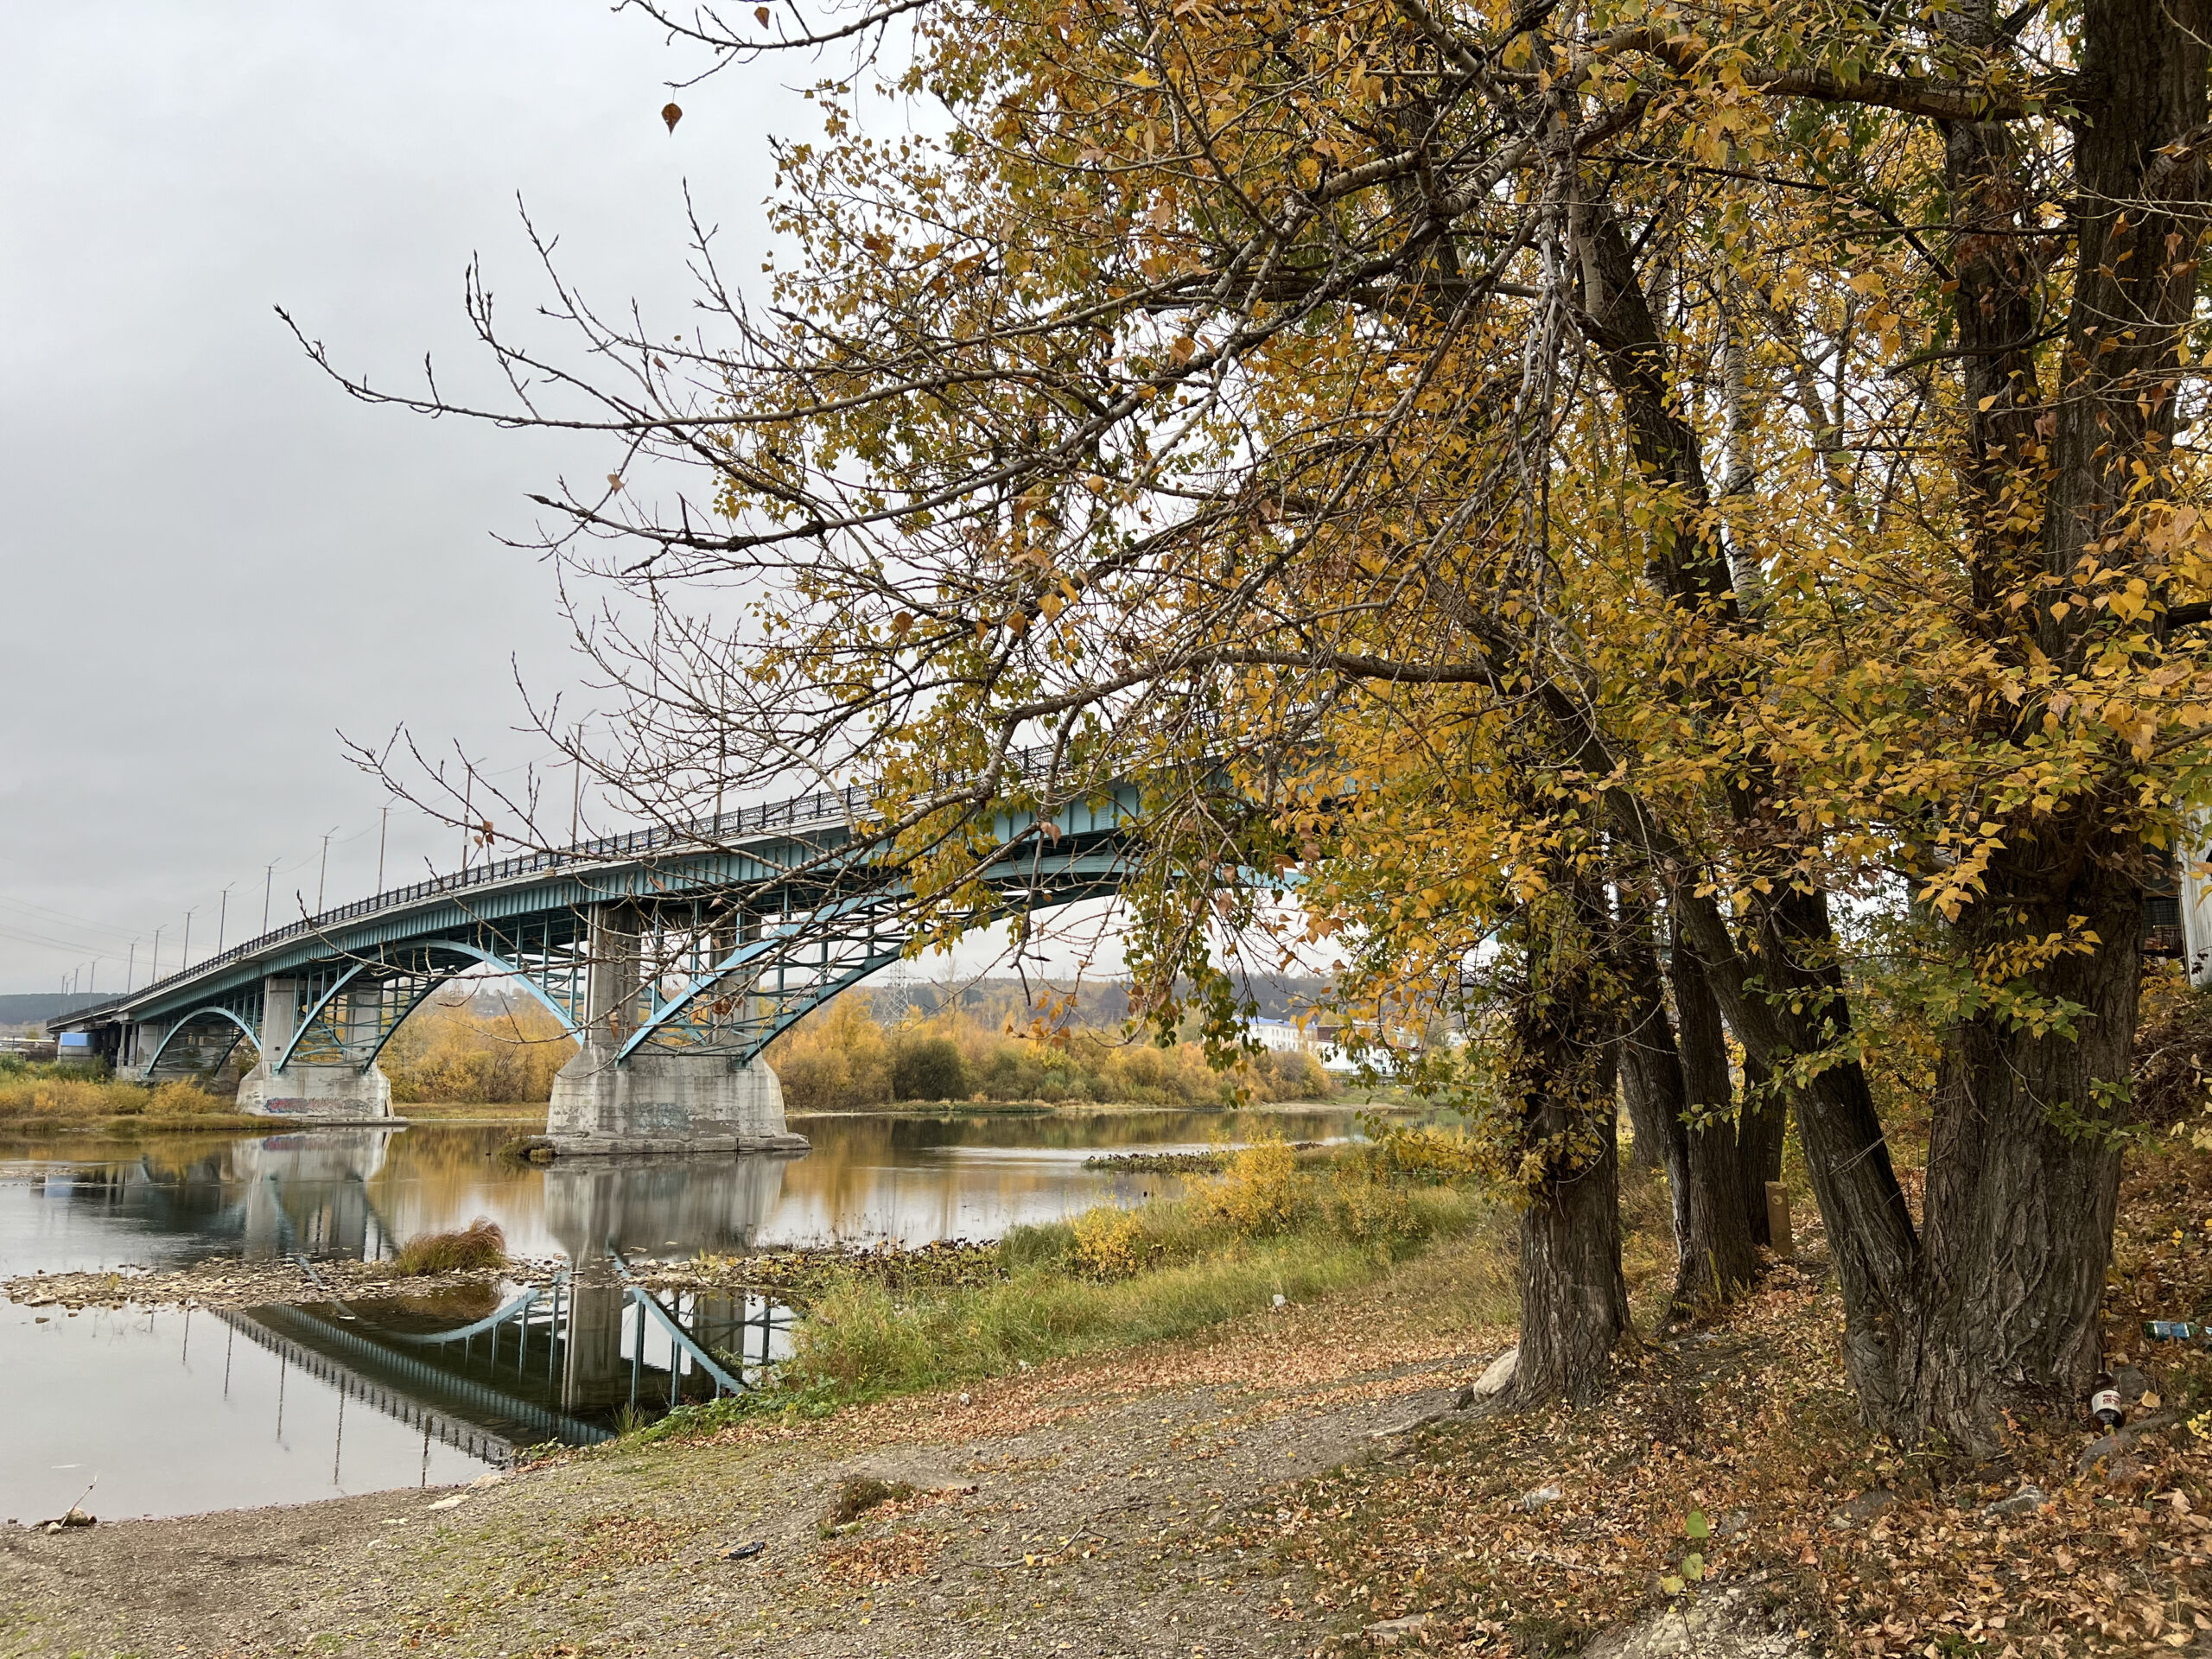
x=842 y=1059
x=33 y=1096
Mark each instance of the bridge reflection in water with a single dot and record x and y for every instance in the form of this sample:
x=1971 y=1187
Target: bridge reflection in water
x=571 y=1361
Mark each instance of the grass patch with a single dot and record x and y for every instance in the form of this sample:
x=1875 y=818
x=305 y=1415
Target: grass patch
x=1271 y=1226
x=480 y=1246
x=68 y=1096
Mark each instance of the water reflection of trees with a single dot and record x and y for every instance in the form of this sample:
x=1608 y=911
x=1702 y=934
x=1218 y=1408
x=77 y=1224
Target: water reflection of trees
x=262 y=1198
x=869 y=1178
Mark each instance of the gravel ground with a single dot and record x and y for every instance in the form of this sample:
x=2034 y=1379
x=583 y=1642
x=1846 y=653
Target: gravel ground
x=1073 y=1510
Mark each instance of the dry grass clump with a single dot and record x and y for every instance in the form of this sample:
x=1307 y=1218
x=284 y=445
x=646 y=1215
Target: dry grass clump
x=479 y=1247
x=858 y=1494
x=65 y=1099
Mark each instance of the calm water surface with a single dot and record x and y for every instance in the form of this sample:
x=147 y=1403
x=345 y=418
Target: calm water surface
x=171 y=1413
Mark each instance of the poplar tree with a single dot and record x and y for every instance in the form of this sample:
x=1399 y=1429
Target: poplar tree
x=1588 y=497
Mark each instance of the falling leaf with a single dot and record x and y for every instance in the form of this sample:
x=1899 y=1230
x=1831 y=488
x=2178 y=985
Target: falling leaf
x=671 y=113
x=615 y=480
x=761 y=12
x=1696 y=1525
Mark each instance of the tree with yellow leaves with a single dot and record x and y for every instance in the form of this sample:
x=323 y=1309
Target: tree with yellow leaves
x=1592 y=497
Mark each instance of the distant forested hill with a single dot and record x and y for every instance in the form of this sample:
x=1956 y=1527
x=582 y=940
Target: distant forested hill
x=33 y=1007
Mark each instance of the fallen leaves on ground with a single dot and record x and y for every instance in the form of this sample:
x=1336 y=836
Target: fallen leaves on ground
x=1734 y=1451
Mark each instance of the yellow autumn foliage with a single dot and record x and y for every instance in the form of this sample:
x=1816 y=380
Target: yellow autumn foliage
x=467 y=1053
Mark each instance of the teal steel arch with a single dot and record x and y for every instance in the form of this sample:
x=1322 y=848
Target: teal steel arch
x=869 y=950
x=315 y=1028
x=319 y=1012
x=515 y=972
x=215 y=1008
x=673 y=1015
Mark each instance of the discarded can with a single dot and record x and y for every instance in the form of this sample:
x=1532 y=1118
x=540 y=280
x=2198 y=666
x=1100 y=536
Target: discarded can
x=2174 y=1330
x=2104 y=1401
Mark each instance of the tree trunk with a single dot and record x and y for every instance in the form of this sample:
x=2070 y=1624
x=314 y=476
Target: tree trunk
x=1762 y=1125
x=1562 y=1069
x=1719 y=1261
x=2024 y=1160
x=2023 y=1175
x=2000 y=1303
x=1573 y=1299
x=1784 y=1001
x=1647 y=1112
x=1651 y=1066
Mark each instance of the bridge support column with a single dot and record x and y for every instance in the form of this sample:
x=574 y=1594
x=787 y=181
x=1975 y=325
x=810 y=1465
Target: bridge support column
x=656 y=1100
x=343 y=1091
x=136 y=1047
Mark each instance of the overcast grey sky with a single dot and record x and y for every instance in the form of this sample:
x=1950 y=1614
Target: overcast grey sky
x=211 y=560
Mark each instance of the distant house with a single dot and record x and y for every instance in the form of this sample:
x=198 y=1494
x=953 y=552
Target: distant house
x=1323 y=1039
x=1280 y=1036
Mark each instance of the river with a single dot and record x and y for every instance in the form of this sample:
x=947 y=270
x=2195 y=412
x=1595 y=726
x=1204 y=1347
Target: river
x=165 y=1411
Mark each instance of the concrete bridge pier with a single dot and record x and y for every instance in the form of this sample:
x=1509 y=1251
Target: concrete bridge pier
x=339 y=1085
x=656 y=1099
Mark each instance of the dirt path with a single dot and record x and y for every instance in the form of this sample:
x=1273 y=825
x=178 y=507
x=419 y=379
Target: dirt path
x=1072 y=1510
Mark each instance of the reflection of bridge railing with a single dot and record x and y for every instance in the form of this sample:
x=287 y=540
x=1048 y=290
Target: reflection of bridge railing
x=519 y=1313
x=351 y=1362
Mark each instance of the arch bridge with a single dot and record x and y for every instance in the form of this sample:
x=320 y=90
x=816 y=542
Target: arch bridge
x=670 y=958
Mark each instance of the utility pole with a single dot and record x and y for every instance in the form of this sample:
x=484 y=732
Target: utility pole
x=92 y=980
x=468 y=814
x=267 y=881
x=130 y=971
x=186 y=962
x=155 y=972
x=223 y=919
x=576 y=800
x=384 y=822
x=320 y=873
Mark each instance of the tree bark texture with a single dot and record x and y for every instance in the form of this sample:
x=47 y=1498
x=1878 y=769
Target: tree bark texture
x=1720 y=1262
x=2023 y=1179
x=1574 y=1298
x=1762 y=1127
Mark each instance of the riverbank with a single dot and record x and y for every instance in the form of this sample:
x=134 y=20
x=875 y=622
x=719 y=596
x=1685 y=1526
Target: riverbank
x=226 y=1283
x=1079 y=1499
x=1295 y=1481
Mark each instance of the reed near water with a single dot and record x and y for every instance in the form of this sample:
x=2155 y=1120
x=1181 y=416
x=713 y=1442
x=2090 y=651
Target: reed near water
x=479 y=1247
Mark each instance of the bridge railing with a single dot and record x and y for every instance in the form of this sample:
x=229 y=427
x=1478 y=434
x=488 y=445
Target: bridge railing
x=813 y=810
